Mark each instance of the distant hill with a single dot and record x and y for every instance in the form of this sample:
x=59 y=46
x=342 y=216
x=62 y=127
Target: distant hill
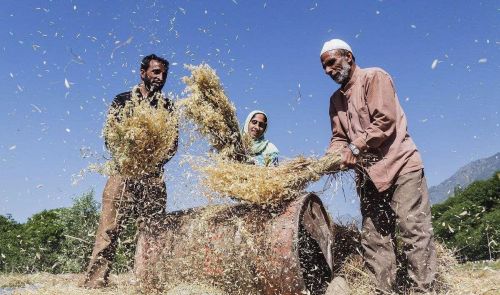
x=476 y=170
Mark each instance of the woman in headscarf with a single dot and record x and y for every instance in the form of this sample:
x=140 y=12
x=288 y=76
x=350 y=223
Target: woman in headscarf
x=263 y=152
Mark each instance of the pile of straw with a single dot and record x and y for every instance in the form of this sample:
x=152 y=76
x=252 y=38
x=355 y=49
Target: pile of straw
x=461 y=279
x=265 y=185
x=450 y=278
x=140 y=137
x=212 y=112
x=63 y=284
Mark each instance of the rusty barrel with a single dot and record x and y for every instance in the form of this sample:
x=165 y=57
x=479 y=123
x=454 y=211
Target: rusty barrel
x=242 y=248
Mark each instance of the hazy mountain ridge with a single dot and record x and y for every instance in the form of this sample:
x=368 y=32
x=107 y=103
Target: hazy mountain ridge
x=477 y=170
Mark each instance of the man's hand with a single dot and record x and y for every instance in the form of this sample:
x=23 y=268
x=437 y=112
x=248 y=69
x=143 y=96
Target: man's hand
x=348 y=159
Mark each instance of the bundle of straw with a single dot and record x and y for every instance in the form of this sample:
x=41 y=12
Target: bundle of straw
x=214 y=115
x=215 y=118
x=265 y=185
x=140 y=137
x=449 y=278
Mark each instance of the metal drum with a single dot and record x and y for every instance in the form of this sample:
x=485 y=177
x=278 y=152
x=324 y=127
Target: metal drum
x=242 y=248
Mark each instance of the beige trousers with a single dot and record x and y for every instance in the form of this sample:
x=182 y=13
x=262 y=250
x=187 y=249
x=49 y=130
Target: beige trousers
x=122 y=199
x=404 y=209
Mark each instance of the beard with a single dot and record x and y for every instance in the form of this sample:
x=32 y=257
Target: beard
x=152 y=85
x=343 y=75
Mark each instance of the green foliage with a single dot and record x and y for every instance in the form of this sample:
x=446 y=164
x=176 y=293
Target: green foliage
x=469 y=220
x=32 y=246
x=59 y=240
x=80 y=223
x=125 y=252
x=42 y=239
x=10 y=233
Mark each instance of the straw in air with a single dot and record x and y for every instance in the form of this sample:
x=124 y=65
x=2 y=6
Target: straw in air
x=208 y=106
x=140 y=137
x=265 y=185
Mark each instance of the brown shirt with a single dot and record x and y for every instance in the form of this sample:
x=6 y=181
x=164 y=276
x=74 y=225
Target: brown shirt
x=366 y=112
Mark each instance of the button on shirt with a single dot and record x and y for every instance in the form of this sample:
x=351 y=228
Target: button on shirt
x=366 y=112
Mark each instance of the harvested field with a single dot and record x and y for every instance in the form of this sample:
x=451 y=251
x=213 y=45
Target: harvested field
x=64 y=284
x=452 y=278
x=462 y=279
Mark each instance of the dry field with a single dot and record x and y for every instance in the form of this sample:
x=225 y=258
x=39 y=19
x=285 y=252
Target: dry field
x=470 y=278
x=65 y=284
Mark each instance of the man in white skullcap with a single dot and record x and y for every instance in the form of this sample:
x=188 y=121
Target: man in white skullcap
x=368 y=122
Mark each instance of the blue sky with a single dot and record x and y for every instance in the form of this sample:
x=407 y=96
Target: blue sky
x=62 y=62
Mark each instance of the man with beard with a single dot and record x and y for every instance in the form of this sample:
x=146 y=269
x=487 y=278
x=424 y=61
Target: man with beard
x=367 y=121
x=124 y=198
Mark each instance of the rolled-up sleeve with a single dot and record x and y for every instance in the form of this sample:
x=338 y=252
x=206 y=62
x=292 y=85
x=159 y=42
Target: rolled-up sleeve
x=382 y=106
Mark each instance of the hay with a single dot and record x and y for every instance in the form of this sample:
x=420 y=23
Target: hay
x=468 y=278
x=205 y=259
x=12 y=280
x=212 y=112
x=51 y=284
x=484 y=280
x=140 y=137
x=451 y=277
x=63 y=284
x=463 y=279
x=208 y=107
x=356 y=276
x=446 y=262
x=265 y=185
x=194 y=289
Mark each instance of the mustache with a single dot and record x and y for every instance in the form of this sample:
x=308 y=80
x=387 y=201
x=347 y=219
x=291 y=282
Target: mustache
x=154 y=84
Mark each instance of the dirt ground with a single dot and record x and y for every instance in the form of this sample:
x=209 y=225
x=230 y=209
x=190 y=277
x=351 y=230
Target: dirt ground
x=470 y=278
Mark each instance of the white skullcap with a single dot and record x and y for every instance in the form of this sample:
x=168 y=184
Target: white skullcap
x=335 y=44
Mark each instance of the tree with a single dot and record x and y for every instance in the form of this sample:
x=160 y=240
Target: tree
x=59 y=240
x=41 y=241
x=79 y=225
x=10 y=256
x=469 y=220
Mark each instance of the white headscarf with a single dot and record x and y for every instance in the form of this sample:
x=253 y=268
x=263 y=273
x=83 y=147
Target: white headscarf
x=259 y=144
